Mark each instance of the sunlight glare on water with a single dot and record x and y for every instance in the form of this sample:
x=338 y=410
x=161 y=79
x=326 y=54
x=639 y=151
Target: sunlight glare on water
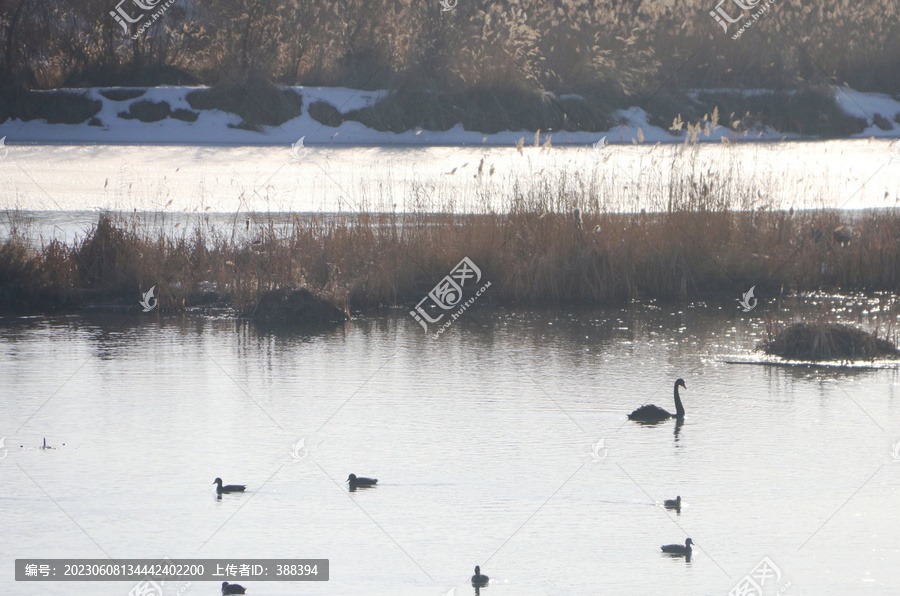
x=850 y=174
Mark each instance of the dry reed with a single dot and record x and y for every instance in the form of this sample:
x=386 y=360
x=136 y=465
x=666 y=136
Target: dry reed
x=531 y=255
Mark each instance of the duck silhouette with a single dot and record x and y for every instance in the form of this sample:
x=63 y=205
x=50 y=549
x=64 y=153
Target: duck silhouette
x=229 y=488
x=673 y=503
x=360 y=482
x=233 y=588
x=678 y=550
x=479 y=580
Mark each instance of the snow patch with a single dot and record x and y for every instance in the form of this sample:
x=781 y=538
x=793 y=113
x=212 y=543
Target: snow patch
x=212 y=126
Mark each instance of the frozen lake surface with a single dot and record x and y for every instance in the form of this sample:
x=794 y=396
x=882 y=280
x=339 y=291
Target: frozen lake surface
x=58 y=189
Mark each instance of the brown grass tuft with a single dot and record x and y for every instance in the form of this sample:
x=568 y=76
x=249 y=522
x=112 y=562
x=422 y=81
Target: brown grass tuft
x=828 y=341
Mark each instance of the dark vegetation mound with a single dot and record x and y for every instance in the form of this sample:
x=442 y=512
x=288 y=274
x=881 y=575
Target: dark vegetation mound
x=56 y=107
x=183 y=114
x=813 y=112
x=296 y=307
x=122 y=94
x=486 y=110
x=149 y=111
x=809 y=112
x=325 y=113
x=828 y=341
x=257 y=101
x=805 y=112
x=881 y=122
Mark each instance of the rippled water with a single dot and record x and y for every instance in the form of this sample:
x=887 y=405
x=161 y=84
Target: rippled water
x=485 y=444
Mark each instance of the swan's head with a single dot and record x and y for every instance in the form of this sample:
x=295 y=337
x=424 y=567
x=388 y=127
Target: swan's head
x=351 y=478
x=217 y=481
x=680 y=383
x=477 y=570
x=678 y=499
x=688 y=542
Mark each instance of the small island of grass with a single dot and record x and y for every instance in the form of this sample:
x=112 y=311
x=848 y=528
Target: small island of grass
x=828 y=341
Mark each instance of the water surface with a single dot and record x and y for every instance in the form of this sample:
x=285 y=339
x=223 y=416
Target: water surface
x=485 y=443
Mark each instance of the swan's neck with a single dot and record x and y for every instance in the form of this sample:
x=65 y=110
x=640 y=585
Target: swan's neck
x=679 y=408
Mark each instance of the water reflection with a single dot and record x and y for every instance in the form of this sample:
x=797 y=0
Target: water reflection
x=354 y=487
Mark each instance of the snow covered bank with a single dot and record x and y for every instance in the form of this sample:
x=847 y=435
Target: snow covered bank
x=881 y=114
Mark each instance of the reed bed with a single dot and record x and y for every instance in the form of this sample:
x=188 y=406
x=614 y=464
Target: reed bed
x=533 y=254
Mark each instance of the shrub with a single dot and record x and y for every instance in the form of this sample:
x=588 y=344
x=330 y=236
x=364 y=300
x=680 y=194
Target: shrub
x=122 y=94
x=147 y=111
x=256 y=101
x=56 y=107
x=325 y=113
x=828 y=341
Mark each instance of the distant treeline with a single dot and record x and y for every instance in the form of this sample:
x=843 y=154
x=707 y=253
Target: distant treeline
x=617 y=49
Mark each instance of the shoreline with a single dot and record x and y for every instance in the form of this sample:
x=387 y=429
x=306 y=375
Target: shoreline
x=763 y=141
x=340 y=116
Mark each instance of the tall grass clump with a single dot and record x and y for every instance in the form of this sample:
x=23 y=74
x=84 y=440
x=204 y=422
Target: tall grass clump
x=828 y=341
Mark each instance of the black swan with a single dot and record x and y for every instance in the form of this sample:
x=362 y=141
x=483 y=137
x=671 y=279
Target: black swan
x=229 y=488
x=673 y=503
x=233 y=588
x=677 y=549
x=354 y=481
x=479 y=580
x=651 y=413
